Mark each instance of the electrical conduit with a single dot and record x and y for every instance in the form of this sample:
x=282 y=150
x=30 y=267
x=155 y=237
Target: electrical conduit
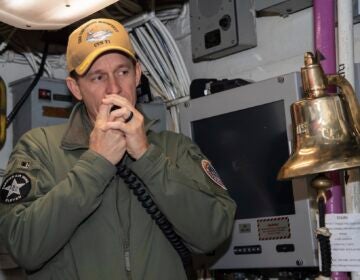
x=324 y=31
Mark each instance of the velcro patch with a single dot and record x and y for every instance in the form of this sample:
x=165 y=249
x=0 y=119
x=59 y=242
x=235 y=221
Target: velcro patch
x=14 y=188
x=211 y=172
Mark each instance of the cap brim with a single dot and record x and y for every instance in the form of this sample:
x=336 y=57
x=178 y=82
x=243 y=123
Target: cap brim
x=84 y=66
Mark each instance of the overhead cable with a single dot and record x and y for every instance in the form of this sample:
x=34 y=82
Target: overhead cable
x=27 y=93
x=161 y=60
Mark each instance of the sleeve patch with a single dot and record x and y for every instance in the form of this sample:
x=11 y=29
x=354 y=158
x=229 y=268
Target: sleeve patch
x=212 y=174
x=14 y=188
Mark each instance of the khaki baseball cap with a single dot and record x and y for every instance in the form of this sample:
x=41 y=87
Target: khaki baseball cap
x=93 y=38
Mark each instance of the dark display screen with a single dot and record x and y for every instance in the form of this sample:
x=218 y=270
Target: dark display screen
x=248 y=148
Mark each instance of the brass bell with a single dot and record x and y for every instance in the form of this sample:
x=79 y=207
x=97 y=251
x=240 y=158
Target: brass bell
x=326 y=128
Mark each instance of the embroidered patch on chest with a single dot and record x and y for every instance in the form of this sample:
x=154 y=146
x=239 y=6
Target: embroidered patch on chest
x=15 y=187
x=212 y=174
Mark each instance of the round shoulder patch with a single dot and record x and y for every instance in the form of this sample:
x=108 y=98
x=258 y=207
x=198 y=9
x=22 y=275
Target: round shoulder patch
x=211 y=172
x=15 y=187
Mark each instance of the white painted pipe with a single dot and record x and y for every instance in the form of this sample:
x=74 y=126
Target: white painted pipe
x=346 y=39
x=346 y=68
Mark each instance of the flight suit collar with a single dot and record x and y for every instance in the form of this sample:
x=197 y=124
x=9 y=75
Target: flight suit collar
x=79 y=128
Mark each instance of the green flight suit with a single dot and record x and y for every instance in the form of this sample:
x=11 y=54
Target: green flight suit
x=66 y=214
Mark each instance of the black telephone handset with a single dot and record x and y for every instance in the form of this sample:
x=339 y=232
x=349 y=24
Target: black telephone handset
x=129 y=118
x=140 y=191
x=114 y=107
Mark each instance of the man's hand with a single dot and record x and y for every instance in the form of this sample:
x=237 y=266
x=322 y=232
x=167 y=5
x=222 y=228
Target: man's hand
x=106 y=141
x=133 y=130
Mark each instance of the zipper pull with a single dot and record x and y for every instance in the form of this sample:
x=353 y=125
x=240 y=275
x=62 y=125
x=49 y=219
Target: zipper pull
x=127 y=256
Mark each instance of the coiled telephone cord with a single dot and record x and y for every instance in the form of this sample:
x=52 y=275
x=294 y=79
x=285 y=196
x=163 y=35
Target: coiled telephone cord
x=140 y=191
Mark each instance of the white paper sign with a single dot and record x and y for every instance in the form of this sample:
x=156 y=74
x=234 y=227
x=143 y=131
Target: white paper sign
x=345 y=241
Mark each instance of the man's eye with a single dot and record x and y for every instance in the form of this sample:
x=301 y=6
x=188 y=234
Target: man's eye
x=97 y=78
x=123 y=72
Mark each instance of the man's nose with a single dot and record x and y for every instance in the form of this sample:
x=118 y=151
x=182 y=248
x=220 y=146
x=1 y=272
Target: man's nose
x=113 y=85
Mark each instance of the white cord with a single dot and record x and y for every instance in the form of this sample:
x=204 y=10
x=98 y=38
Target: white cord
x=155 y=68
x=175 y=116
x=175 y=54
x=4 y=44
x=168 y=14
x=30 y=58
x=161 y=48
x=324 y=231
x=148 y=66
x=161 y=59
x=164 y=47
x=33 y=59
x=156 y=58
x=149 y=50
x=54 y=61
x=47 y=67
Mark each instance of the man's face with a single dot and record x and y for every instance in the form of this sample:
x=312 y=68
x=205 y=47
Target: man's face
x=111 y=73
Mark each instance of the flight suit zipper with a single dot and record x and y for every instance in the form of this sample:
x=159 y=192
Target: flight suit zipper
x=127 y=256
x=125 y=229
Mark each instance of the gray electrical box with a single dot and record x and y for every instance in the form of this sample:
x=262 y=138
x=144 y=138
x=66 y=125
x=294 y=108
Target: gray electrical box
x=281 y=7
x=221 y=27
x=49 y=103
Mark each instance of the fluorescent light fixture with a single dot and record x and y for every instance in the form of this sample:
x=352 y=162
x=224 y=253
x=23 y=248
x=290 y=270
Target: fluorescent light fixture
x=48 y=14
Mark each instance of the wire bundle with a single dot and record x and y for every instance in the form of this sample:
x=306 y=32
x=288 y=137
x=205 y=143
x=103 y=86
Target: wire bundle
x=161 y=60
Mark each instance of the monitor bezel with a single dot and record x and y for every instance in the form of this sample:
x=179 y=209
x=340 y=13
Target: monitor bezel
x=287 y=88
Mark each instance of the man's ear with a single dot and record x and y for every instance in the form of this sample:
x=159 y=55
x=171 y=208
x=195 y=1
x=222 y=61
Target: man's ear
x=138 y=73
x=74 y=88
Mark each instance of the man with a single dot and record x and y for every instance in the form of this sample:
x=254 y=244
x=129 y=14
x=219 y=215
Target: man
x=66 y=214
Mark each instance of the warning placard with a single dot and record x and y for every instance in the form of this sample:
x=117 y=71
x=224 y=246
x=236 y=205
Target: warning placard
x=274 y=228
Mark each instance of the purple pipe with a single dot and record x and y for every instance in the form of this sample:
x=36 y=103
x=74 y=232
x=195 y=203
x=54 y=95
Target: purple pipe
x=324 y=29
